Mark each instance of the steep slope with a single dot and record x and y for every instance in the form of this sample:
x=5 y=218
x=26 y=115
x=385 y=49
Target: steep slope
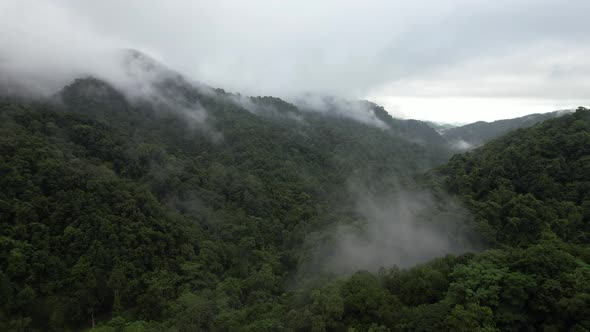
x=528 y=192
x=529 y=195
x=112 y=205
x=530 y=182
x=478 y=133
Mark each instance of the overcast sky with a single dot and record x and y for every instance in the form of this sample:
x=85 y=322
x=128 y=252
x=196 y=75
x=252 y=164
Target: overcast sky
x=443 y=60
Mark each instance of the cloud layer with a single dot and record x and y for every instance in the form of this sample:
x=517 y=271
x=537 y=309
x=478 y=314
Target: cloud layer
x=400 y=53
x=403 y=228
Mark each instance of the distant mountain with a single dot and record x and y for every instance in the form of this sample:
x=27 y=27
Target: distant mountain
x=478 y=133
x=372 y=114
x=441 y=126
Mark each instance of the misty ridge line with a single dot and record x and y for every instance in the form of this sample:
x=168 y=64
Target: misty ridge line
x=143 y=79
x=363 y=62
x=392 y=230
x=146 y=82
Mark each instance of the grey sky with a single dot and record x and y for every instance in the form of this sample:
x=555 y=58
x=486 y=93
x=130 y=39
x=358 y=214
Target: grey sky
x=459 y=60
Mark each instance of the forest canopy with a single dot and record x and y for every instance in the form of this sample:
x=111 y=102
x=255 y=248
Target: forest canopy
x=131 y=216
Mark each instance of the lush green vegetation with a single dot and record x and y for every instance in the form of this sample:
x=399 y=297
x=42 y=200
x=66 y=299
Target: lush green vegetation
x=529 y=183
x=139 y=219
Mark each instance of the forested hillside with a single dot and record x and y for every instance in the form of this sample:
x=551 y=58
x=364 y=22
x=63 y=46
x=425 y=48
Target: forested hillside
x=529 y=195
x=114 y=208
x=478 y=133
x=196 y=210
x=530 y=182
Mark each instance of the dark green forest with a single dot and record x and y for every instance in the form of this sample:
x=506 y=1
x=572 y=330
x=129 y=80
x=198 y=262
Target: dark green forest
x=132 y=216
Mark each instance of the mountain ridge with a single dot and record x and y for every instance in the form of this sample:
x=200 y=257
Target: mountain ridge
x=477 y=133
x=181 y=209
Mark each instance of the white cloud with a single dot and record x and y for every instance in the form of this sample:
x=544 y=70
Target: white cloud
x=496 y=51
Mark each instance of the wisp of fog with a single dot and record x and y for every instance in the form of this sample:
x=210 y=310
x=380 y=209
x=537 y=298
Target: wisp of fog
x=402 y=228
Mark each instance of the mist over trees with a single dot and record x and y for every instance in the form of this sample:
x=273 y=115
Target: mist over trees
x=186 y=208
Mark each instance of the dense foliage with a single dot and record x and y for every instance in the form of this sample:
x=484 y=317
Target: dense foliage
x=530 y=182
x=113 y=208
x=137 y=218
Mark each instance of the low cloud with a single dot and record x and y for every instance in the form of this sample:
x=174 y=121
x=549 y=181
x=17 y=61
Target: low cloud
x=374 y=50
x=461 y=145
x=404 y=228
x=356 y=110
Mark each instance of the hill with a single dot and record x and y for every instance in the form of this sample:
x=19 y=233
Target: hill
x=478 y=133
x=173 y=206
x=541 y=169
x=118 y=205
